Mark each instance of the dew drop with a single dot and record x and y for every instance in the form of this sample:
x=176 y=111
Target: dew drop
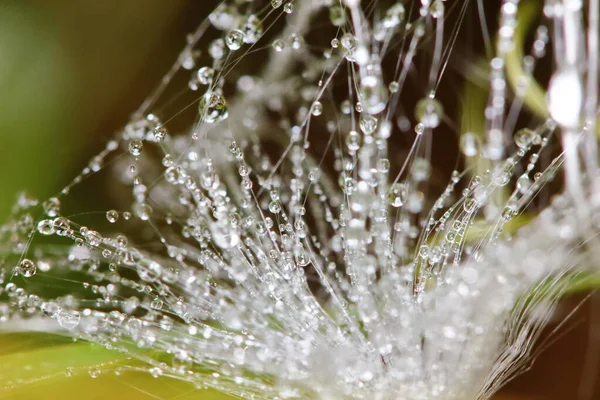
x=156 y=304
x=397 y=194
x=337 y=15
x=68 y=319
x=27 y=268
x=205 y=75
x=234 y=39
x=112 y=216
x=142 y=210
x=278 y=45
x=368 y=124
x=160 y=133
x=46 y=227
x=353 y=141
x=61 y=225
x=213 y=108
x=52 y=207
x=469 y=144
x=524 y=137
x=135 y=147
x=275 y=207
x=317 y=108
x=252 y=29
x=421 y=169
x=523 y=183
x=50 y=309
x=429 y=112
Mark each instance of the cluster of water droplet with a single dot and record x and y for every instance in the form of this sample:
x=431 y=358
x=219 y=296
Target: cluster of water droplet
x=323 y=268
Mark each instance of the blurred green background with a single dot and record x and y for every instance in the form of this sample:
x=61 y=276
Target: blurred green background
x=71 y=73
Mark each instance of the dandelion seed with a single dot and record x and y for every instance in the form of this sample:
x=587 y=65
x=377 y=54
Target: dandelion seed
x=282 y=246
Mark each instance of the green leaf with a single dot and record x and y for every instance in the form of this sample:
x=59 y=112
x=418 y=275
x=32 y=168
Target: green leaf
x=50 y=367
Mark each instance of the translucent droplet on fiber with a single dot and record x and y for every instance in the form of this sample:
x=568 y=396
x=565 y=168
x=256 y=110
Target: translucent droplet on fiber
x=368 y=124
x=524 y=138
x=469 y=144
x=112 y=216
x=135 y=147
x=234 y=39
x=429 y=112
x=205 y=75
x=46 y=227
x=68 y=319
x=337 y=15
x=213 y=108
x=52 y=207
x=397 y=194
x=26 y=268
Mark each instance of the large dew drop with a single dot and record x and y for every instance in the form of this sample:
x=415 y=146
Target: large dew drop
x=68 y=319
x=213 y=108
x=26 y=268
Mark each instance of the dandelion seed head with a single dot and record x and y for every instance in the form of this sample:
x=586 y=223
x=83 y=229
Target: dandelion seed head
x=283 y=247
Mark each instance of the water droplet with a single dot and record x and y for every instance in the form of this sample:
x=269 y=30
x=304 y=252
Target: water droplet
x=213 y=108
x=349 y=186
x=276 y=3
x=278 y=45
x=205 y=75
x=121 y=241
x=160 y=133
x=61 y=226
x=50 y=309
x=68 y=319
x=337 y=15
x=524 y=137
x=419 y=128
x=52 y=207
x=368 y=124
x=348 y=41
x=317 y=108
x=234 y=39
x=288 y=8
x=397 y=194
x=469 y=144
x=93 y=238
x=383 y=165
x=523 y=183
x=275 y=207
x=142 y=210
x=437 y=9
x=156 y=304
x=421 y=169
x=353 y=141
x=135 y=147
x=217 y=49
x=429 y=112
x=252 y=29
x=46 y=227
x=112 y=216
x=27 y=268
